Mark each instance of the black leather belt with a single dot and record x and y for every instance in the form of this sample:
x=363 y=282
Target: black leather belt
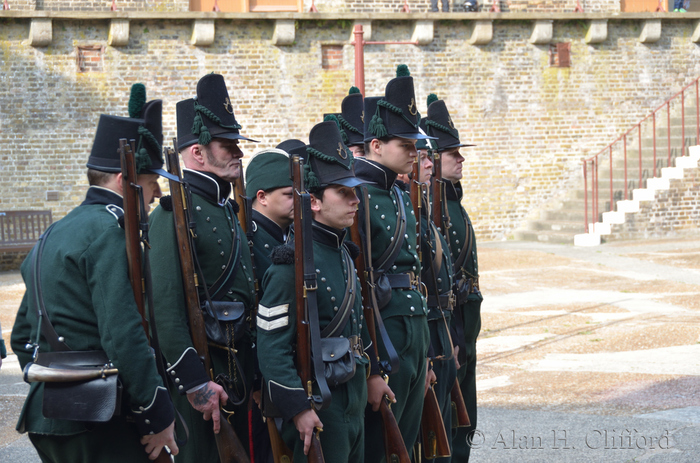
x=402 y=280
x=444 y=301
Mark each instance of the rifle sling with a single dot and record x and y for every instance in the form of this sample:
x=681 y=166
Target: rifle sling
x=337 y=325
x=389 y=257
x=367 y=251
x=47 y=328
x=311 y=286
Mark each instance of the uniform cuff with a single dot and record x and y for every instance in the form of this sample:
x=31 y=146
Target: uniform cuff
x=188 y=372
x=288 y=401
x=3 y=349
x=157 y=415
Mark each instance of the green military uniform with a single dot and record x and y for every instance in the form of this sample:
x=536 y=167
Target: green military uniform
x=437 y=277
x=222 y=251
x=267 y=170
x=343 y=427
x=405 y=314
x=90 y=303
x=467 y=315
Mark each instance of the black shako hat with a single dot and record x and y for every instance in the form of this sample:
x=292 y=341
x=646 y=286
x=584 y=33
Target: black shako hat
x=439 y=124
x=397 y=113
x=207 y=116
x=426 y=143
x=352 y=118
x=145 y=127
x=370 y=105
x=291 y=145
x=328 y=160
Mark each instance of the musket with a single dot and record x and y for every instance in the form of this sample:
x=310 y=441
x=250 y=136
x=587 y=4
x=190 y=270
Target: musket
x=304 y=289
x=227 y=442
x=136 y=229
x=394 y=446
x=459 y=408
x=433 y=435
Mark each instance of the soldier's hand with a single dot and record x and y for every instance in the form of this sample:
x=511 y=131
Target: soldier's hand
x=154 y=442
x=456 y=353
x=306 y=422
x=377 y=388
x=208 y=400
x=430 y=377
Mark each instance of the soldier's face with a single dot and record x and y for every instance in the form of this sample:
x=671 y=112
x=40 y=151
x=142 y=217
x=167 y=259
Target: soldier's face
x=223 y=158
x=150 y=187
x=426 y=166
x=397 y=154
x=452 y=164
x=357 y=151
x=278 y=206
x=337 y=207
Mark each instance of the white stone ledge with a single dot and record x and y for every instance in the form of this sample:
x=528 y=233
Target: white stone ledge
x=203 y=32
x=616 y=217
x=118 y=32
x=658 y=184
x=285 y=32
x=672 y=172
x=481 y=32
x=542 y=32
x=366 y=29
x=643 y=194
x=597 y=31
x=423 y=32
x=686 y=162
x=627 y=206
x=40 y=32
x=651 y=31
x=587 y=239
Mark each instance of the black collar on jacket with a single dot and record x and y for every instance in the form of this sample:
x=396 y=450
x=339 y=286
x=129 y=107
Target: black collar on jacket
x=269 y=226
x=328 y=235
x=101 y=195
x=372 y=171
x=210 y=186
x=453 y=191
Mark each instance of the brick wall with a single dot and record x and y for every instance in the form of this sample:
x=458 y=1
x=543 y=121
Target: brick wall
x=675 y=212
x=531 y=122
x=100 y=5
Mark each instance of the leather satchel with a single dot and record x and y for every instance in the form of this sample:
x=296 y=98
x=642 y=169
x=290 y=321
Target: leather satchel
x=96 y=400
x=338 y=360
x=224 y=321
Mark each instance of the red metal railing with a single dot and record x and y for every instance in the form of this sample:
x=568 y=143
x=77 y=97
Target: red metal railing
x=619 y=147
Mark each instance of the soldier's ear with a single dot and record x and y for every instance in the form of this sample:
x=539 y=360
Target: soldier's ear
x=261 y=197
x=315 y=203
x=197 y=154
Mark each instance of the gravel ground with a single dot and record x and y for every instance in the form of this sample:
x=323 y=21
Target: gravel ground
x=585 y=354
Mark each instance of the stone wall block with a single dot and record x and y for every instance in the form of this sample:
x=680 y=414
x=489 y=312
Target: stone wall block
x=366 y=28
x=651 y=31
x=597 y=31
x=542 y=32
x=118 y=33
x=481 y=32
x=284 y=32
x=40 y=32
x=203 y=32
x=423 y=32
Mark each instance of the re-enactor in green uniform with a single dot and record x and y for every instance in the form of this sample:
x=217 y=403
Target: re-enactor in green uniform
x=208 y=136
x=391 y=130
x=330 y=180
x=467 y=315
x=90 y=303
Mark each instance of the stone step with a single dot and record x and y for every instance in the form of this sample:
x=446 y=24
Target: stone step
x=554 y=225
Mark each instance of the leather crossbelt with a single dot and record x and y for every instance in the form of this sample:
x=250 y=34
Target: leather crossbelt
x=444 y=301
x=402 y=280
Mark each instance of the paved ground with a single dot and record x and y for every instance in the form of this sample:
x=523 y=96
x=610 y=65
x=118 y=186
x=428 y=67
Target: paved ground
x=586 y=355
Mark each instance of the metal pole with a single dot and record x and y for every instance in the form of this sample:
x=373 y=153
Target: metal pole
x=585 y=196
x=595 y=189
x=639 y=127
x=359 y=58
x=697 y=114
x=683 y=121
x=668 y=119
x=611 y=180
x=624 y=144
x=653 y=119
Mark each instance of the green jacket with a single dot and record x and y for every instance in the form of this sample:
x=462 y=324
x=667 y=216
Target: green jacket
x=267 y=235
x=384 y=211
x=277 y=318
x=89 y=300
x=216 y=230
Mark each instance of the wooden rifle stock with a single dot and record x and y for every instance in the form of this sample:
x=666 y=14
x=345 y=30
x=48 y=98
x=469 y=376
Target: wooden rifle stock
x=134 y=214
x=227 y=442
x=433 y=434
x=303 y=346
x=394 y=446
x=459 y=408
x=437 y=187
